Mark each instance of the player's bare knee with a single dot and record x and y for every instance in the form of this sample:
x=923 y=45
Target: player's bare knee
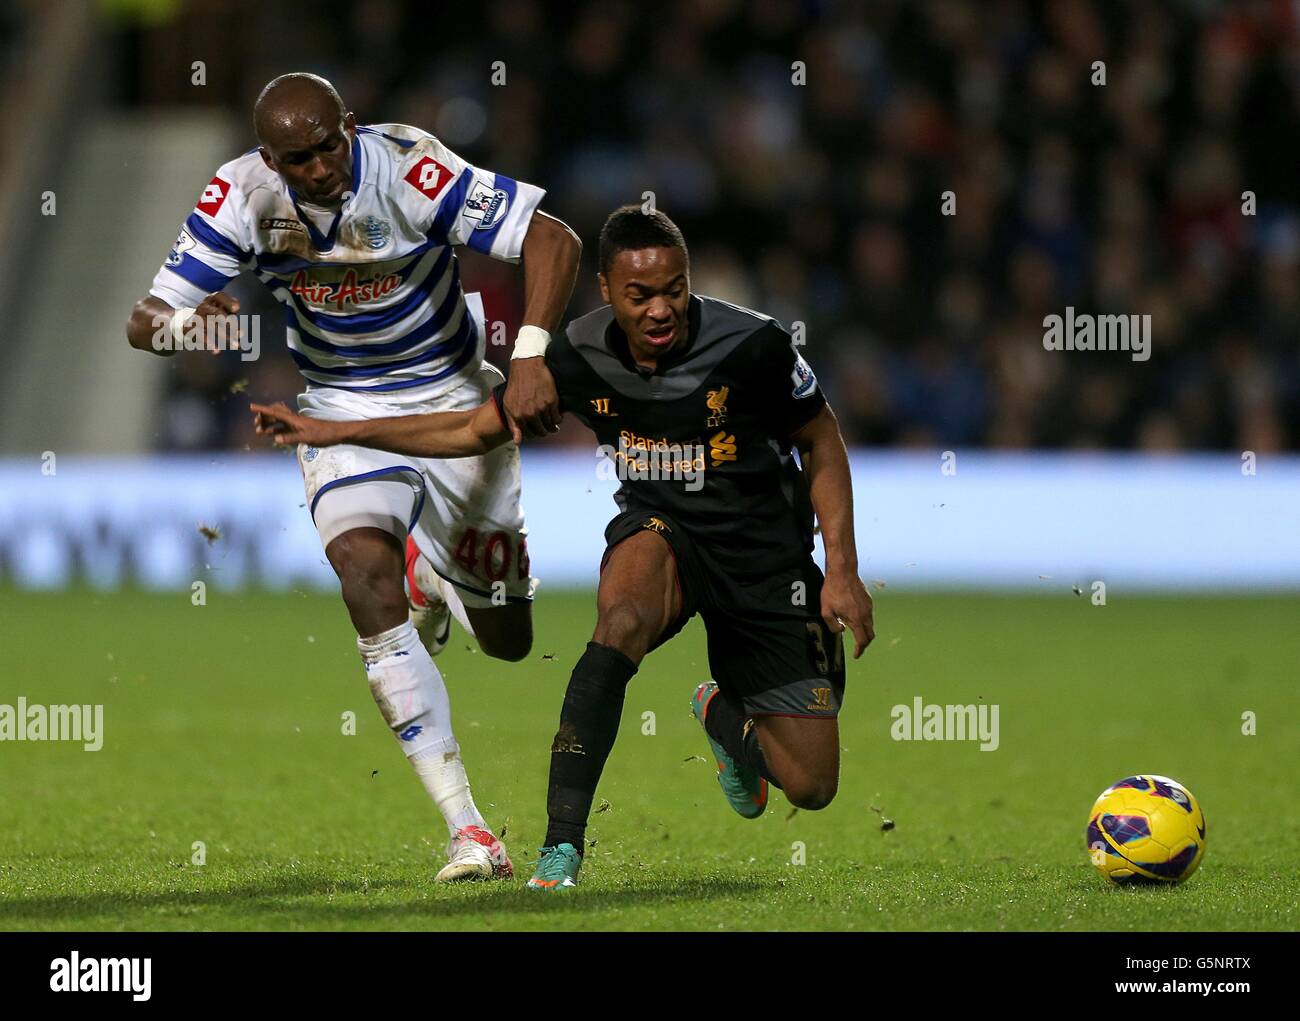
x=374 y=602
x=623 y=625
x=511 y=653
x=510 y=646
x=811 y=793
x=503 y=632
x=371 y=585
x=370 y=577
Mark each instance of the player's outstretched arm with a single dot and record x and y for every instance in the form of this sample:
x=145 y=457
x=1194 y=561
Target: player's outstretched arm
x=156 y=326
x=442 y=434
x=845 y=600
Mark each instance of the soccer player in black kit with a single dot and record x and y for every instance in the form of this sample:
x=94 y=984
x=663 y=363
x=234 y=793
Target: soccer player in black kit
x=700 y=403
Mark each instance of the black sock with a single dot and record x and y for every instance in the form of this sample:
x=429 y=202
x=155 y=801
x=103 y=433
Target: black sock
x=589 y=719
x=727 y=724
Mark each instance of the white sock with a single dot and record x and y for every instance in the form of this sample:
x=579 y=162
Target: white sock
x=442 y=772
x=412 y=697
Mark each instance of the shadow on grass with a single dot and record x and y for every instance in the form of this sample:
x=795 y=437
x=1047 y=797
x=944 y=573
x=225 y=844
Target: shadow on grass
x=299 y=899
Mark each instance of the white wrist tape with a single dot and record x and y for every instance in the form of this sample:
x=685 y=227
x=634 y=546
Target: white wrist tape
x=179 y=318
x=531 y=342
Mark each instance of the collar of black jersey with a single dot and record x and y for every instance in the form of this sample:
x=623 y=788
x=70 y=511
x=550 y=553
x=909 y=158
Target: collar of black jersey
x=616 y=341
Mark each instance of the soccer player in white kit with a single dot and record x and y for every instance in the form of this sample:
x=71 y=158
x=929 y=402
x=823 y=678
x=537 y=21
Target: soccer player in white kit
x=352 y=228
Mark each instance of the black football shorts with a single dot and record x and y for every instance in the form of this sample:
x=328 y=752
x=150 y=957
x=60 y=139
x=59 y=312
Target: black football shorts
x=768 y=645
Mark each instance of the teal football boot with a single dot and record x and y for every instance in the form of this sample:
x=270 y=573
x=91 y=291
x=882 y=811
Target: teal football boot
x=557 y=869
x=744 y=789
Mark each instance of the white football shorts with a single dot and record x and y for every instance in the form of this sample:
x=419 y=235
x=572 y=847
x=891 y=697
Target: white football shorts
x=463 y=512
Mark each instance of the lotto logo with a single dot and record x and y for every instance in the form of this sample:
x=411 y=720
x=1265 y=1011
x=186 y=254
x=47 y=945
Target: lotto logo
x=428 y=176
x=213 y=196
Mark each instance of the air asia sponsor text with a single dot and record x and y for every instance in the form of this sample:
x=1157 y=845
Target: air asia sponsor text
x=348 y=291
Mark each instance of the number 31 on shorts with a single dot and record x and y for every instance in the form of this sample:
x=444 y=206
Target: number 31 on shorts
x=818 y=632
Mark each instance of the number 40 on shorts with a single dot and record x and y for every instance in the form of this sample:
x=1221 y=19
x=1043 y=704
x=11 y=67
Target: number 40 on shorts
x=493 y=557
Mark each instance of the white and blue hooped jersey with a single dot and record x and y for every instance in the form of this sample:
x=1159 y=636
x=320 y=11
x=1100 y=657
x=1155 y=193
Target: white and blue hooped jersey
x=375 y=304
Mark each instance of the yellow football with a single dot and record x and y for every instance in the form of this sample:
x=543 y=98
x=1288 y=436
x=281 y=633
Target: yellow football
x=1146 y=829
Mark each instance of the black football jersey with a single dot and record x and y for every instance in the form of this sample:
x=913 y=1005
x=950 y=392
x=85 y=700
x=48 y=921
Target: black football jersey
x=705 y=436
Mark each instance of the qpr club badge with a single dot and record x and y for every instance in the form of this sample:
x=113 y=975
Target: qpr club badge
x=376 y=232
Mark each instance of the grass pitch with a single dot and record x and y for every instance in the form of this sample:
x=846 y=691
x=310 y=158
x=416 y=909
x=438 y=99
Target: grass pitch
x=224 y=725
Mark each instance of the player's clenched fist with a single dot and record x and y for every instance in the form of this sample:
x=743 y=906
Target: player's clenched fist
x=532 y=405
x=846 y=603
x=218 y=303
x=213 y=314
x=287 y=427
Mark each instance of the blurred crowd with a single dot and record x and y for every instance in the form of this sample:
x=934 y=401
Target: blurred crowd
x=917 y=184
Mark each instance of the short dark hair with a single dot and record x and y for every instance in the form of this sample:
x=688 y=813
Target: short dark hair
x=630 y=228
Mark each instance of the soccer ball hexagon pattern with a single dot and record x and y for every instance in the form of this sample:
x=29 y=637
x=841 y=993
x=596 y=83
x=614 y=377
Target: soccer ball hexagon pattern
x=1146 y=829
